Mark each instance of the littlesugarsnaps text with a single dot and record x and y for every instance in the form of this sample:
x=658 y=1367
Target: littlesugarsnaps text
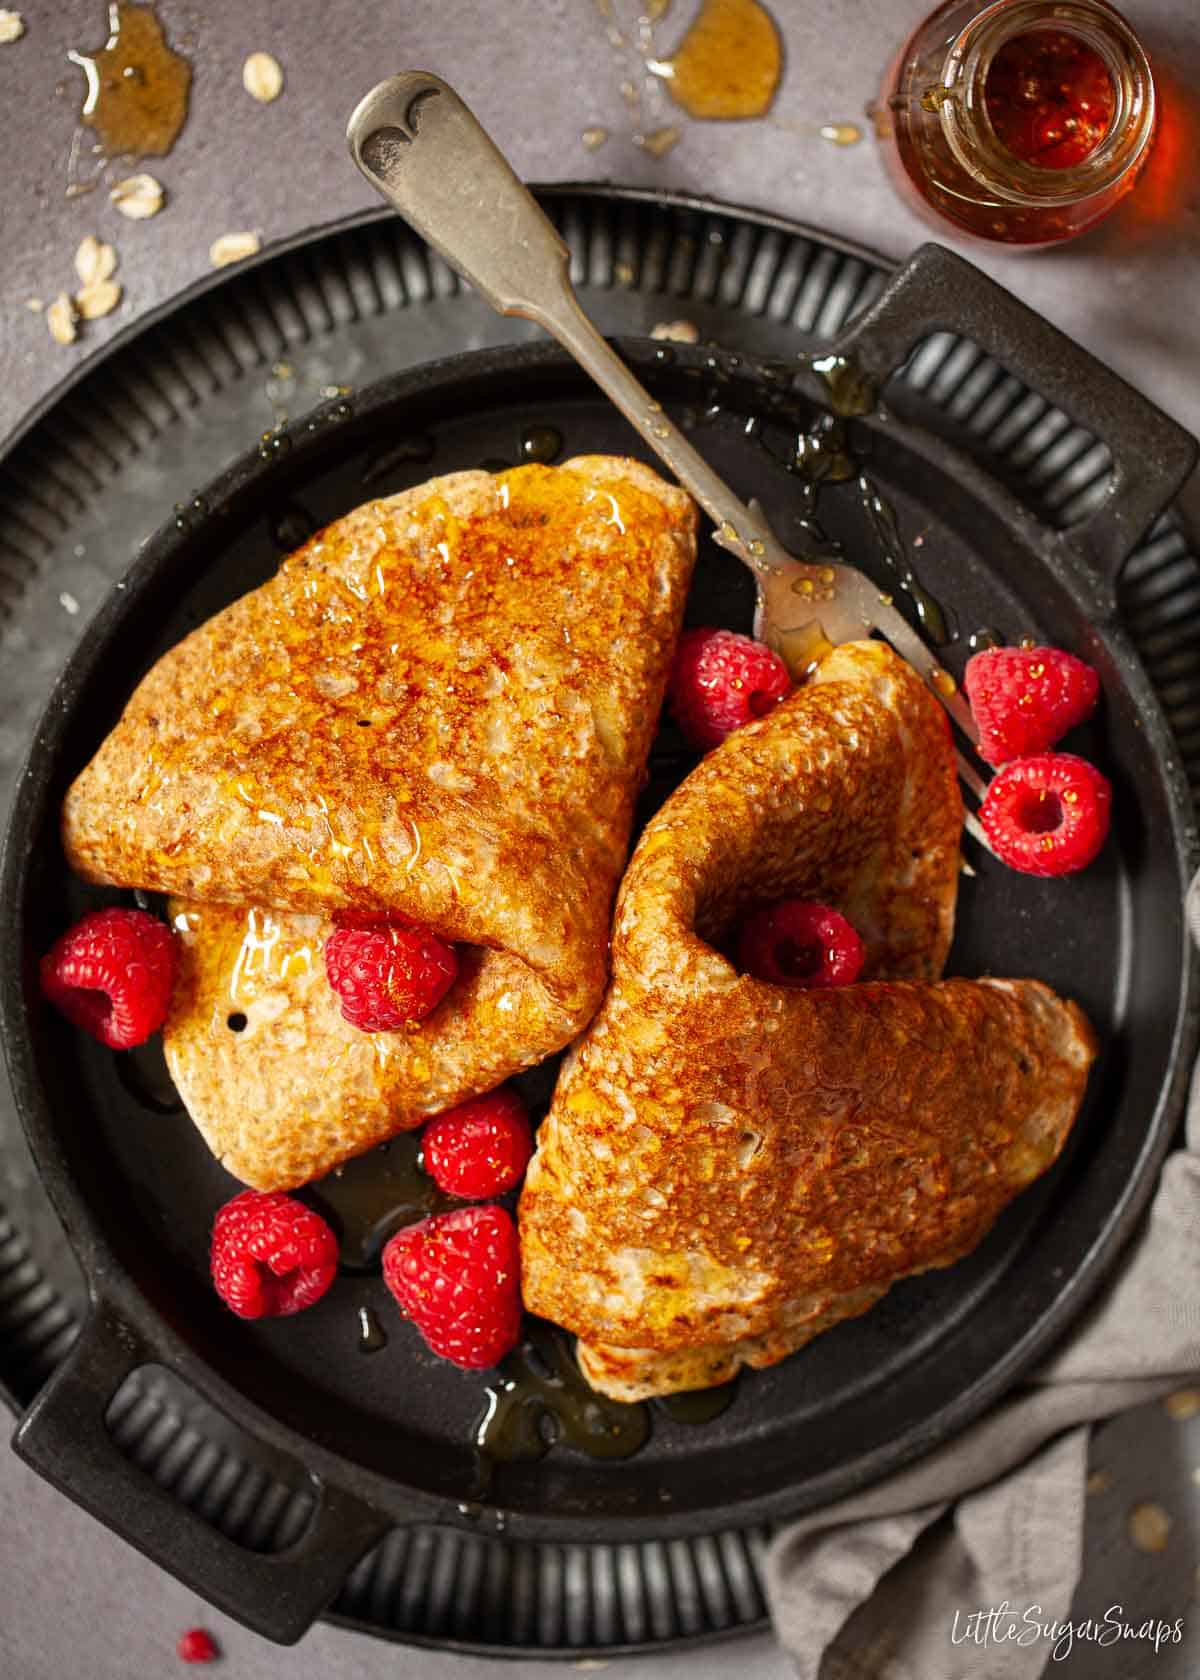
x=1002 y=1624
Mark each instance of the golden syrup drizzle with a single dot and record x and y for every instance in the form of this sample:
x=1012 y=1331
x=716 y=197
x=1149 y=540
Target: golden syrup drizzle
x=728 y=65
x=841 y=133
x=803 y=649
x=370 y=1198
x=255 y=952
x=851 y=392
x=659 y=141
x=541 y=1397
x=372 y=1337
x=137 y=86
x=882 y=516
x=541 y=443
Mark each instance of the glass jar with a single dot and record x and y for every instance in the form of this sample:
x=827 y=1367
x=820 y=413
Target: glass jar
x=1024 y=121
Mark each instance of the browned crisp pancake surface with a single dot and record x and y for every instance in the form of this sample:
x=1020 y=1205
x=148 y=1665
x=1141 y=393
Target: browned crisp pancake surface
x=283 y=1088
x=442 y=704
x=730 y=1167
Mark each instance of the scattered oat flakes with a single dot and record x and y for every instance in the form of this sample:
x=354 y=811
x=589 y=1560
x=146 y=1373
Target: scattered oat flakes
x=60 y=318
x=677 y=332
x=12 y=27
x=262 y=77
x=137 y=197
x=68 y=602
x=100 y=298
x=1183 y=1404
x=593 y=137
x=1149 y=1527
x=1099 y=1481
x=35 y=304
x=94 y=261
x=233 y=247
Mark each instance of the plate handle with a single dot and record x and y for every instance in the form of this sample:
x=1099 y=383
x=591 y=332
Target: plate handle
x=64 y=1437
x=1152 y=456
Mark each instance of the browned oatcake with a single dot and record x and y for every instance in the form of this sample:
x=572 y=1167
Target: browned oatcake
x=730 y=1167
x=441 y=705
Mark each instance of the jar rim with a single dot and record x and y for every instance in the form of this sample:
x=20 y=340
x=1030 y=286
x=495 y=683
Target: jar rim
x=967 y=125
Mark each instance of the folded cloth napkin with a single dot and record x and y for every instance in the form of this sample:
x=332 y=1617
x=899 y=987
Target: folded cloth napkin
x=867 y=1589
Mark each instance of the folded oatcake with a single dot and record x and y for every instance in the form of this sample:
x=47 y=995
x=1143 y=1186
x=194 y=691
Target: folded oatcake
x=730 y=1167
x=441 y=705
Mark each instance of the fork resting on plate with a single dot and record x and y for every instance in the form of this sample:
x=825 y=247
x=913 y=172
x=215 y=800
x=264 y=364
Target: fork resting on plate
x=422 y=148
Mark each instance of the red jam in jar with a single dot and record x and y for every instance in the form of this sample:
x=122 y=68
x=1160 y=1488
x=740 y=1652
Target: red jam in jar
x=1023 y=121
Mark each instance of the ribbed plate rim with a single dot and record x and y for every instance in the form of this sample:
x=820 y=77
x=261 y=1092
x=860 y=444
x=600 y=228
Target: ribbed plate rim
x=347 y=226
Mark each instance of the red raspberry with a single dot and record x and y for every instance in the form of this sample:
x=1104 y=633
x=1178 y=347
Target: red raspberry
x=197 y=1646
x=721 y=680
x=1047 y=815
x=387 y=972
x=798 y=943
x=480 y=1148
x=1026 y=699
x=271 y=1255
x=457 y=1276
x=112 y=975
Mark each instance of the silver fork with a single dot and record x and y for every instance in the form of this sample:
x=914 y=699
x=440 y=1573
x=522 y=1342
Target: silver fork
x=418 y=144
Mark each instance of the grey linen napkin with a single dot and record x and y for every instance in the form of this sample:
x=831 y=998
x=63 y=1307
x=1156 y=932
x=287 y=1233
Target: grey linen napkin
x=868 y=1589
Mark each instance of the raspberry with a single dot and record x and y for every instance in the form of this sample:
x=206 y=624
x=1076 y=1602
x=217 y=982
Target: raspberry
x=456 y=1276
x=721 y=680
x=387 y=972
x=1024 y=700
x=480 y=1148
x=271 y=1255
x=196 y=1646
x=798 y=943
x=112 y=974
x=1047 y=815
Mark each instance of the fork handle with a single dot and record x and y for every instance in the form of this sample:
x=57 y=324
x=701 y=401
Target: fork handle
x=1152 y=455
x=422 y=148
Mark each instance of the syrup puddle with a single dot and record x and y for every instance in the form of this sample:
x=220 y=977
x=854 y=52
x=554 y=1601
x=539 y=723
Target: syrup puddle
x=728 y=65
x=372 y=1337
x=727 y=68
x=541 y=1398
x=136 y=94
x=373 y=1196
x=841 y=134
x=541 y=443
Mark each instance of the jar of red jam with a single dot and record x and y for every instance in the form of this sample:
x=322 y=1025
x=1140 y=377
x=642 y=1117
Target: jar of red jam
x=1022 y=121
